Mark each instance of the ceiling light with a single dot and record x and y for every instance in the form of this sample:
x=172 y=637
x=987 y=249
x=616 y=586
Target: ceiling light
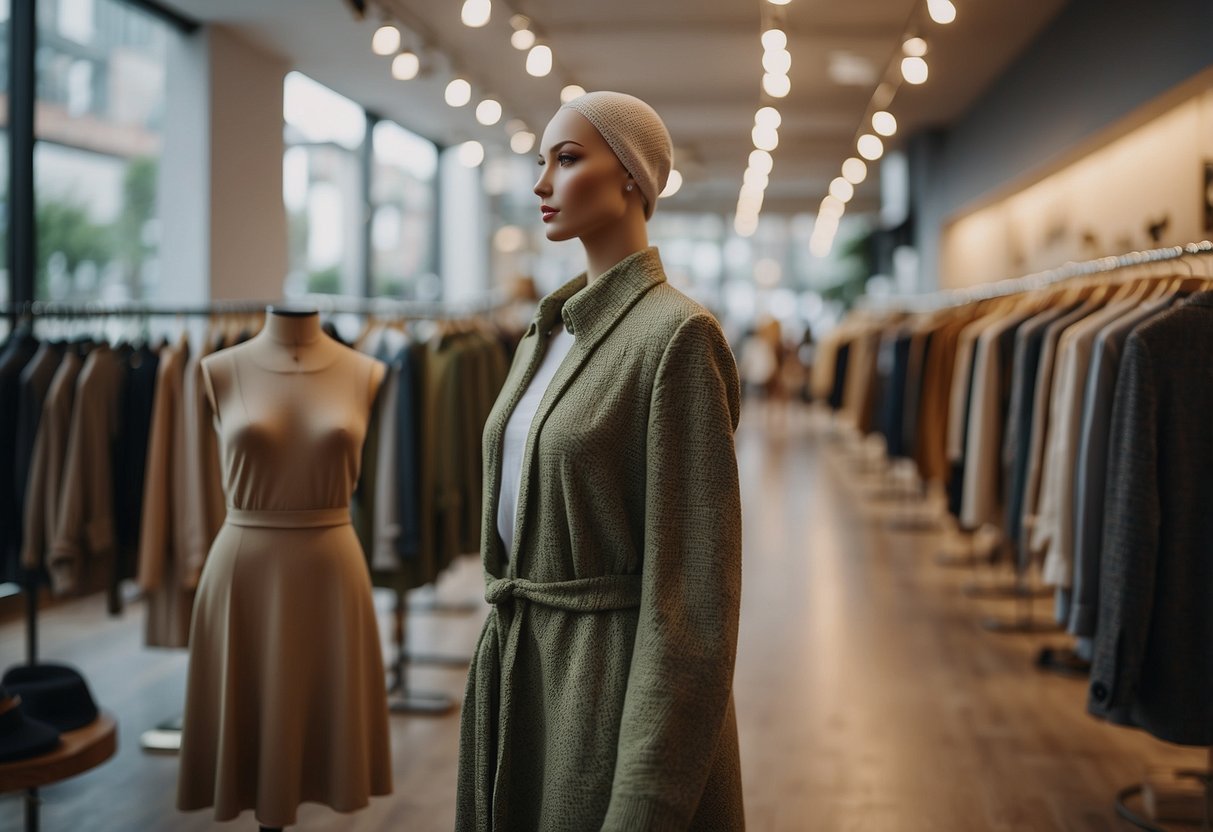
x=476 y=13
x=777 y=61
x=539 y=60
x=458 y=92
x=570 y=92
x=870 y=147
x=761 y=161
x=745 y=226
x=779 y=2
x=386 y=40
x=915 y=47
x=488 y=112
x=755 y=179
x=832 y=206
x=884 y=123
x=854 y=170
x=522 y=141
x=406 y=66
x=471 y=154
x=751 y=196
x=776 y=86
x=841 y=189
x=820 y=246
x=941 y=11
x=519 y=21
x=768 y=117
x=765 y=138
x=514 y=125
x=672 y=184
x=522 y=40
x=774 y=39
x=914 y=70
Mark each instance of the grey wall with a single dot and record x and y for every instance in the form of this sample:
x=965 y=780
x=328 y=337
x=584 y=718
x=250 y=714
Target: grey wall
x=1097 y=62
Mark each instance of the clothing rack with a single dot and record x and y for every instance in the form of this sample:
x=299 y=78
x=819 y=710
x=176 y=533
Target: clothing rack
x=943 y=299
x=166 y=737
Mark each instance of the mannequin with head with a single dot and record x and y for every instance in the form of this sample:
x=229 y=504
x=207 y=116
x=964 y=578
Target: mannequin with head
x=603 y=159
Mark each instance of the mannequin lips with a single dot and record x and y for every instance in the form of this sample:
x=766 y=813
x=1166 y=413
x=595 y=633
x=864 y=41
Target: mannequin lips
x=548 y=212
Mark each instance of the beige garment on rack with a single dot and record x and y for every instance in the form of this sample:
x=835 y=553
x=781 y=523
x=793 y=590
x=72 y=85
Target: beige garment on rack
x=1040 y=413
x=85 y=543
x=161 y=534
x=1053 y=532
x=981 y=499
x=41 y=510
x=958 y=403
x=200 y=502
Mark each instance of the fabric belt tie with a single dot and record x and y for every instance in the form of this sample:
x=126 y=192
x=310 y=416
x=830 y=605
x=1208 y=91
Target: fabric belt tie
x=497 y=654
x=309 y=518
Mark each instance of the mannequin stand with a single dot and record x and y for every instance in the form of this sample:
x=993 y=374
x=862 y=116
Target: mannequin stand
x=401 y=700
x=1205 y=778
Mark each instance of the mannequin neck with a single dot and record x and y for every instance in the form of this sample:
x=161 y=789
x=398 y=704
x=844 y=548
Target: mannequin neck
x=293 y=343
x=293 y=329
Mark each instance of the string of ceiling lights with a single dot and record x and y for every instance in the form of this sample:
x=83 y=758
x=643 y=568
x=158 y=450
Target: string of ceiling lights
x=406 y=65
x=908 y=65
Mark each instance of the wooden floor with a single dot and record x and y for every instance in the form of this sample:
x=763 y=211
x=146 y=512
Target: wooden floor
x=868 y=696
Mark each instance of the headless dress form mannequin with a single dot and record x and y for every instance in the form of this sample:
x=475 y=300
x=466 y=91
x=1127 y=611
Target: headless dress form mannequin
x=286 y=701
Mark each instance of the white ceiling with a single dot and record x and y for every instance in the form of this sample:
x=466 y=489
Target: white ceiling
x=698 y=62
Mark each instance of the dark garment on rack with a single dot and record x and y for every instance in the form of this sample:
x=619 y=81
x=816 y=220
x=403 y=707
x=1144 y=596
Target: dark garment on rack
x=920 y=349
x=956 y=479
x=838 y=391
x=35 y=382
x=1090 y=474
x=130 y=452
x=895 y=400
x=1017 y=438
x=1153 y=666
x=18 y=351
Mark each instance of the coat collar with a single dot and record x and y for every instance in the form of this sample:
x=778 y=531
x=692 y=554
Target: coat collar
x=589 y=311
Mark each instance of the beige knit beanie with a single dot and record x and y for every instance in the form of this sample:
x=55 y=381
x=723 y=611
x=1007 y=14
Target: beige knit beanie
x=637 y=135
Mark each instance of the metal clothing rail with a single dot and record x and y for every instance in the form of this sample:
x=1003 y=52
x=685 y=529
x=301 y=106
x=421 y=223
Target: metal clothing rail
x=1037 y=280
x=325 y=304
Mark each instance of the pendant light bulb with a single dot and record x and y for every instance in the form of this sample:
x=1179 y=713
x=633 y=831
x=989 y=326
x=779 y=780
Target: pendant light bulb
x=672 y=184
x=761 y=161
x=777 y=61
x=488 y=112
x=870 y=147
x=458 y=93
x=570 y=92
x=471 y=154
x=914 y=70
x=884 y=123
x=854 y=170
x=841 y=189
x=386 y=40
x=476 y=13
x=768 y=117
x=773 y=39
x=942 y=12
x=539 y=60
x=776 y=86
x=406 y=66
x=522 y=141
x=765 y=138
x=522 y=40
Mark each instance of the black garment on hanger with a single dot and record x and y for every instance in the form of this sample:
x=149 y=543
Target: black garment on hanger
x=18 y=351
x=130 y=456
x=838 y=391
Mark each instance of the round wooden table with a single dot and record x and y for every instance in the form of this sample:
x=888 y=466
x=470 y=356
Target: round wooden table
x=78 y=751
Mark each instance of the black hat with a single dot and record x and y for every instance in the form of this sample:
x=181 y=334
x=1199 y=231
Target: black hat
x=22 y=737
x=53 y=693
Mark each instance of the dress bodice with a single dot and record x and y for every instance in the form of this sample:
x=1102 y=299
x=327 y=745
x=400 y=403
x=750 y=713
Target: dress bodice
x=290 y=441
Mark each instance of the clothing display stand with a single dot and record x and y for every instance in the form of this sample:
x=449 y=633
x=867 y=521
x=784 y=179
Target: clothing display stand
x=166 y=737
x=1204 y=777
x=402 y=700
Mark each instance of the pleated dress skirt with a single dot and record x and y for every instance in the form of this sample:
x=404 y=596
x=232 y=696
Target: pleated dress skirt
x=286 y=700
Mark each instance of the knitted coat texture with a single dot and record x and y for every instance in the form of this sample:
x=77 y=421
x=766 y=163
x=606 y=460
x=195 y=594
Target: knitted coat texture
x=600 y=693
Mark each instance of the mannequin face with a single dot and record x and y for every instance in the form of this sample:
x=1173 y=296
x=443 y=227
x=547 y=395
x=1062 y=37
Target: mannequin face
x=581 y=179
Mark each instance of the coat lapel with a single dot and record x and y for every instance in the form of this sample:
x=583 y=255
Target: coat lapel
x=590 y=314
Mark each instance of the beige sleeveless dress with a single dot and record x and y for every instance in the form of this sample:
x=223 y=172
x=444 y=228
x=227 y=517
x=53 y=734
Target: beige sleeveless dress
x=286 y=698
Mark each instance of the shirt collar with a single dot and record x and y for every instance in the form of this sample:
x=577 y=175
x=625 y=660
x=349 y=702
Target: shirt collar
x=588 y=311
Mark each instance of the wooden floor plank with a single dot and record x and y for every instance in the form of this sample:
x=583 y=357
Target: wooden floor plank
x=868 y=696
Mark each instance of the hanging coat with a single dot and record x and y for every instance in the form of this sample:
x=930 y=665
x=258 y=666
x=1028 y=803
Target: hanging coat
x=600 y=694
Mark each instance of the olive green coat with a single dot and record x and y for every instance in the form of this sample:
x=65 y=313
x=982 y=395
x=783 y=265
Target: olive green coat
x=600 y=694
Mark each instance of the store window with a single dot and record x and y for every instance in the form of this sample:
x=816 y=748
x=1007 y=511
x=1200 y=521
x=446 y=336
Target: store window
x=403 y=232
x=322 y=188
x=101 y=68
